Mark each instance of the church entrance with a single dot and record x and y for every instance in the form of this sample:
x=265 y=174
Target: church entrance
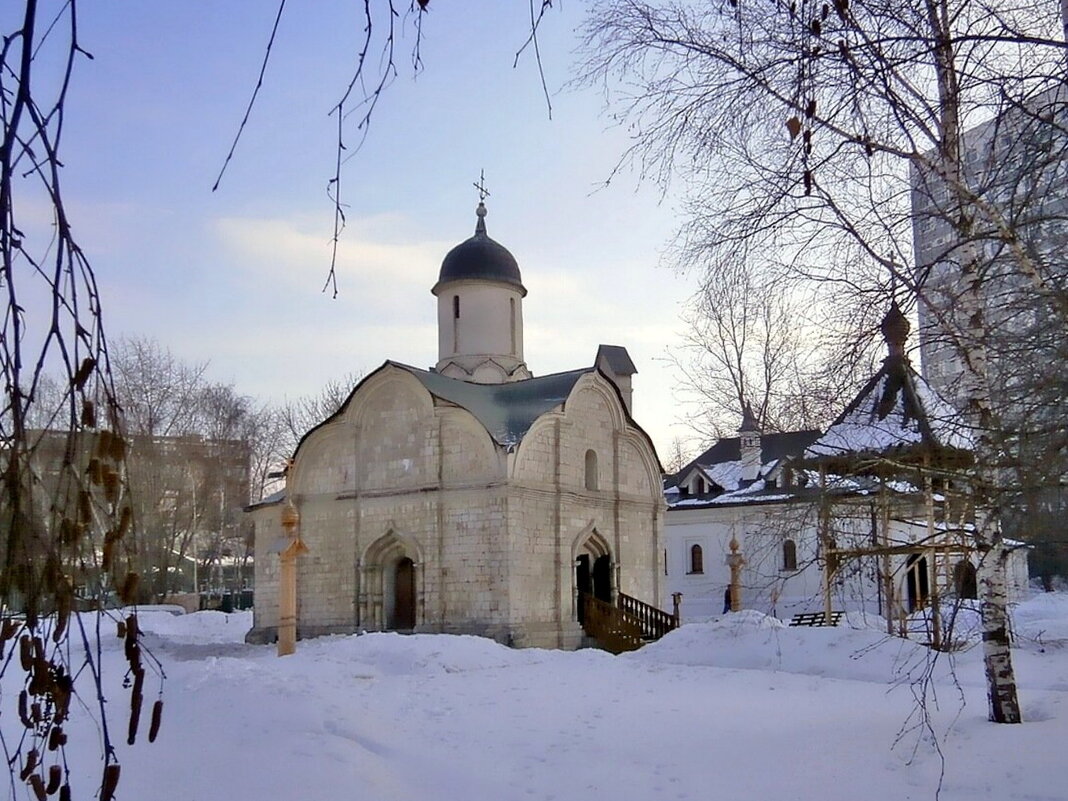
x=389 y=587
x=403 y=616
x=917 y=582
x=593 y=575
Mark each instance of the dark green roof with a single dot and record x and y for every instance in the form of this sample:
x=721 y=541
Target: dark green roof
x=506 y=410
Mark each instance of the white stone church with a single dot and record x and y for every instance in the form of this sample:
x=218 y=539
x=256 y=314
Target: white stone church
x=473 y=497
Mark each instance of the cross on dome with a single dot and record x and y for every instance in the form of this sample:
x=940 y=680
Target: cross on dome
x=483 y=193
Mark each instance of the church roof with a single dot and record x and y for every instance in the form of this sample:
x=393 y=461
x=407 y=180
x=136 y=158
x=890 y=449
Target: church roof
x=480 y=258
x=506 y=410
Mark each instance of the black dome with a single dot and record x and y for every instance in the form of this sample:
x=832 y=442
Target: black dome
x=480 y=258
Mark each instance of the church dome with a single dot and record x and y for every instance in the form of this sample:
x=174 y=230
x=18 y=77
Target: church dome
x=480 y=258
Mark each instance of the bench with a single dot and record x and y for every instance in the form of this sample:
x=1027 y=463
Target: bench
x=815 y=619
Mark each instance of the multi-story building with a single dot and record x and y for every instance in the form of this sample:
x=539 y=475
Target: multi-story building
x=186 y=495
x=1015 y=165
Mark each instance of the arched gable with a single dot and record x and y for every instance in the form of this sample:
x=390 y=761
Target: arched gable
x=325 y=461
x=595 y=395
x=382 y=436
x=592 y=418
x=389 y=386
x=393 y=420
x=534 y=459
x=590 y=541
x=468 y=452
x=639 y=469
x=391 y=546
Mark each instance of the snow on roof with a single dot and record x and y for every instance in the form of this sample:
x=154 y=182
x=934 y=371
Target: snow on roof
x=773 y=446
x=727 y=475
x=896 y=410
x=756 y=492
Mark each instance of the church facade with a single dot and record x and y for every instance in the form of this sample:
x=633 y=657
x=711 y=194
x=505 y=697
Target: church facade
x=473 y=497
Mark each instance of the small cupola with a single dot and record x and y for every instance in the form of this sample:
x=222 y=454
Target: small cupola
x=480 y=259
x=895 y=328
x=480 y=311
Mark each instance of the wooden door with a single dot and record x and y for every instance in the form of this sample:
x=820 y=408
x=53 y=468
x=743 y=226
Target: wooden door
x=404 y=595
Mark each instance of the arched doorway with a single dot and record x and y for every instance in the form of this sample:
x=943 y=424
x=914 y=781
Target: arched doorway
x=965 y=580
x=593 y=572
x=583 y=583
x=389 y=586
x=403 y=612
x=917 y=582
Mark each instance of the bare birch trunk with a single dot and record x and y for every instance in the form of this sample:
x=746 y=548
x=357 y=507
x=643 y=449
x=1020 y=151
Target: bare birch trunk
x=997 y=658
x=972 y=345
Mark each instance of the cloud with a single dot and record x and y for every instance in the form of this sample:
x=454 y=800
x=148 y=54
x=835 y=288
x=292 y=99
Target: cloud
x=380 y=259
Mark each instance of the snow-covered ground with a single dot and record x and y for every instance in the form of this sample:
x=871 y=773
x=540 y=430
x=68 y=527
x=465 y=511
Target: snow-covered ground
x=738 y=708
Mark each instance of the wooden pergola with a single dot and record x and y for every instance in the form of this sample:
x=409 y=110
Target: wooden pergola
x=900 y=438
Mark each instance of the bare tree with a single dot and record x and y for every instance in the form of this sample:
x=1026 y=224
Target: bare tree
x=301 y=415
x=60 y=527
x=795 y=126
x=192 y=445
x=751 y=339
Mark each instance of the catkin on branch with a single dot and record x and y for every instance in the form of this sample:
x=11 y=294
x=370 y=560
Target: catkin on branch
x=110 y=782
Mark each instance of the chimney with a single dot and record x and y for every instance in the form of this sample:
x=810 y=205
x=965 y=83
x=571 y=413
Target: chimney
x=749 y=437
x=615 y=362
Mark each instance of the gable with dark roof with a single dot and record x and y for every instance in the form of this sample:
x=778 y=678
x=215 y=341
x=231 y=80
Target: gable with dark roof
x=507 y=411
x=773 y=447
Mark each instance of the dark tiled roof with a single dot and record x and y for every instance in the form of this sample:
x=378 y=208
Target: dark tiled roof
x=772 y=447
x=506 y=410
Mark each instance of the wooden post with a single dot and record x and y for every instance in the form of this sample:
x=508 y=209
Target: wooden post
x=830 y=561
x=735 y=561
x=287 y=604
x=934 y=575
x=287 y=591
x=888 y=572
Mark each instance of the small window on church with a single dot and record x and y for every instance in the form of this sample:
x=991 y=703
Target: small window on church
x=789 y=555
x=697 y=559
x=456 y=307
x=591 y=470
x=511 y=318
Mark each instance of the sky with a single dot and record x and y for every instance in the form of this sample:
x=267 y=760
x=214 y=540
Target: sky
x=234 y=277
x=735 y=707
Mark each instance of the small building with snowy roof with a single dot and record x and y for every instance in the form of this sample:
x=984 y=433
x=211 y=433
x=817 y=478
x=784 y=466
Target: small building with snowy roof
x=472 y=497
x=742 y=489
x=895 y=541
